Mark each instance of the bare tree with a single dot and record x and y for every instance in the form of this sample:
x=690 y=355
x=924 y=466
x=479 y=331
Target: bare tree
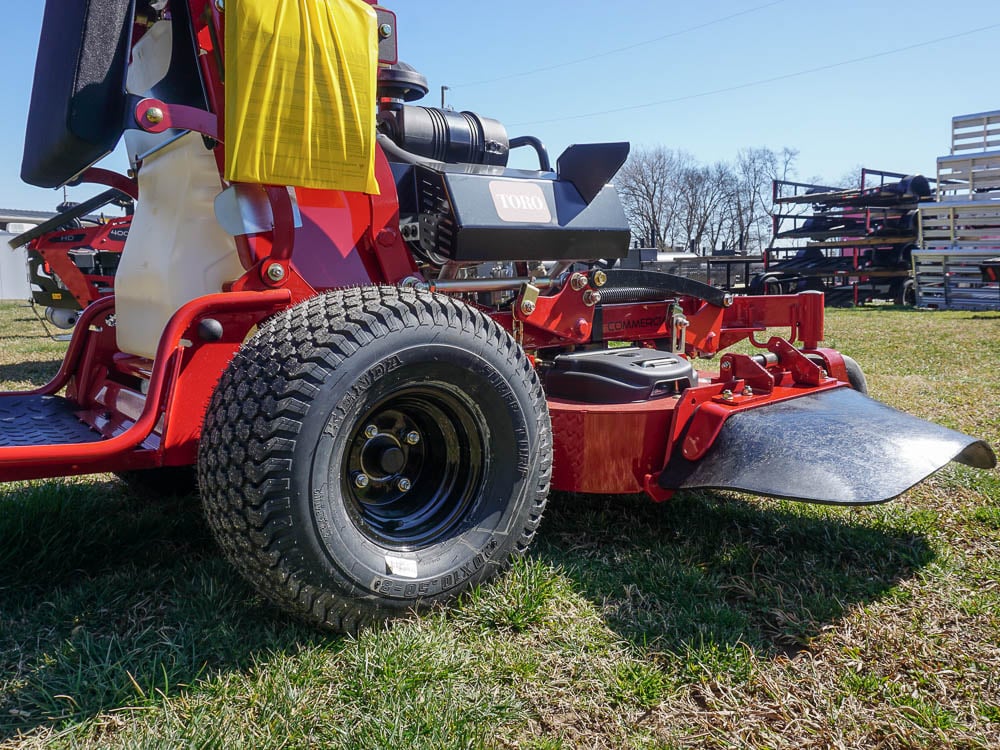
x=703 y=191
x=648 y=188
x=751 y=200
x=671 y=200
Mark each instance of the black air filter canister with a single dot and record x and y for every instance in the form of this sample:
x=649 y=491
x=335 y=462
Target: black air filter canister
x=447 y=136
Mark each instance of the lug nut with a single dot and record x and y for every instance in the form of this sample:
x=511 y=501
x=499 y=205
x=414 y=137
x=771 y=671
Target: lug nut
x=404 y=484
x=275 y=272
x=361 y=480
x=412 y=437
x=578 y=282
x=371 y=431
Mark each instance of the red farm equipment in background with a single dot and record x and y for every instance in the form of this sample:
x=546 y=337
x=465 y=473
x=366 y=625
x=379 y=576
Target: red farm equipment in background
x=373 y=339
x=72 y=258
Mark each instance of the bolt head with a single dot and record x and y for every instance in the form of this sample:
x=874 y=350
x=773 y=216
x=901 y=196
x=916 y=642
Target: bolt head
x=591 y=298
x=599 y=278
x=154 y=115
x=404 y=484
x=527 y=307
x=412 y=437
x=748 y=391
x=727 y=394
x=361 y=480
x=371 y=431
x=726 y=365
x=578 y=281
x=385 y=31
x=275 y=272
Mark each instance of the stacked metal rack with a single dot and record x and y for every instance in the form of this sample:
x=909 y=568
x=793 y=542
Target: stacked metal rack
x=857 y=240
x=955 y=266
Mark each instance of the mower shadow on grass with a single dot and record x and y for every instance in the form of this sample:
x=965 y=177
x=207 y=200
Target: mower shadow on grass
x=710 y=570
x=107 y=602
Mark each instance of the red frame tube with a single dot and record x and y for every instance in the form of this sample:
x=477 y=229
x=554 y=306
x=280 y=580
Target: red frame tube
x=27 y=462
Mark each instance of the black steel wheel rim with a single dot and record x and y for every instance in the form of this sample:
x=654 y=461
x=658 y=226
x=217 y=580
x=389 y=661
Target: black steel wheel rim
x=413 y=466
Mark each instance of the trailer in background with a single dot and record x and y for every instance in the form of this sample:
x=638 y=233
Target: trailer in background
x=852 y=244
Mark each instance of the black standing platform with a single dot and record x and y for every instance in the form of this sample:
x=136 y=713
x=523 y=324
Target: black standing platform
x=41 y=420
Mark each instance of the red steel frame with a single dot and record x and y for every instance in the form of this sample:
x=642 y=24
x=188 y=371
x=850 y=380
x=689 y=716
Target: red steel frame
x=149 y=413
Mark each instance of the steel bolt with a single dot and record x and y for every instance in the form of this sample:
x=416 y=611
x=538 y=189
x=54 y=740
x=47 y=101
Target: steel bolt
x=726 y=365
x=412 y=437
x=527 y=307
x=578 y=282
x=371 y=431
x=361 y=480
x=404 y=484
x=154 y=115
x=599 y=278
x=385 y=31
x=727 y=395
x=748 y=391
x=591 y=298
x=275 y=272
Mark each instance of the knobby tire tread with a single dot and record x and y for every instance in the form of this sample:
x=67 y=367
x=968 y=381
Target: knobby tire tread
x=251 y=427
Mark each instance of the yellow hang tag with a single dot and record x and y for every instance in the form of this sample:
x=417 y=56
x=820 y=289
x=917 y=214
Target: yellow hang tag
x=300 y=93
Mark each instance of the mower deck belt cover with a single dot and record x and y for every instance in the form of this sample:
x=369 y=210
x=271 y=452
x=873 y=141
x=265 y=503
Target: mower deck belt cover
x=300 y=93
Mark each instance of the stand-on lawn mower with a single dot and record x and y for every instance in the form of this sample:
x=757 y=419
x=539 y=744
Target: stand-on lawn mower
x=374 y=339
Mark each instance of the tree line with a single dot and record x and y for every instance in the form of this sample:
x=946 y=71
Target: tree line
x=673 y=201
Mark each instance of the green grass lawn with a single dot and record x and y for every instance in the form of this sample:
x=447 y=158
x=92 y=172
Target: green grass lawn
x=713 y=620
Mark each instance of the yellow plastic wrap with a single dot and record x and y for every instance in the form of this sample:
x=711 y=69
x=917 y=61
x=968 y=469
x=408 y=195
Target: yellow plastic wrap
x=300 y=93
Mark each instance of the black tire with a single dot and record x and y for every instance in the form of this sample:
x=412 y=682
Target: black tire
x=773 y=285
x=855 y=375
x=285 y=438
x=907 y=296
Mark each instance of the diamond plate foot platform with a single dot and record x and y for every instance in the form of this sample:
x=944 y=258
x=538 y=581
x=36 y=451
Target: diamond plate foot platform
x=41 y=420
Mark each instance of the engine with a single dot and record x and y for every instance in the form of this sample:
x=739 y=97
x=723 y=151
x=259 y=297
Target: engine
x=465 y=214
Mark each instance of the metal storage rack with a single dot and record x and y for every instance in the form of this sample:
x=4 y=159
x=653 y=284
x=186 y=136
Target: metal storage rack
x=960 y=232
x=858 y=240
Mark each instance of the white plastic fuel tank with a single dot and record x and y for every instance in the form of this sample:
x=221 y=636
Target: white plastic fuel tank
x=176 y=250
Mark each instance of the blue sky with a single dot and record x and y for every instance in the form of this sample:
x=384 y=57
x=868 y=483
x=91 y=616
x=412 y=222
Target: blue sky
x=693 y=76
